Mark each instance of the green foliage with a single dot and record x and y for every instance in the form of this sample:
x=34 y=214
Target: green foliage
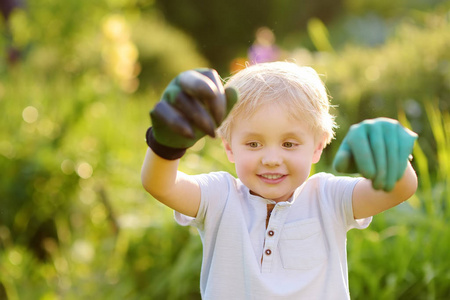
x=74 y=219
x=161 y=60
x=406 y=73
x=225 y=30
x=416 y=59
x=404 y=255
x=75 y=222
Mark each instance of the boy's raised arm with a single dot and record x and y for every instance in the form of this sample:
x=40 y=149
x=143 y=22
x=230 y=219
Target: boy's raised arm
x=379 y=150
x=161 y=178
x=192 y=105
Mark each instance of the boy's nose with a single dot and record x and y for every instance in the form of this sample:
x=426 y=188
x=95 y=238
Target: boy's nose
x=271 y=158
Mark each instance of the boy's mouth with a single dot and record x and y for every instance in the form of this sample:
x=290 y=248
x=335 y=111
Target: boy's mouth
x=272 y=178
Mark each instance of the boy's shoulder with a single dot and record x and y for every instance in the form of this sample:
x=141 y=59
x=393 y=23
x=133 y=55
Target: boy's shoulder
x=219 y=175
x=326 y=180
x=322 y=177
x=331 y=176
x=221 y=182
x=215 y=178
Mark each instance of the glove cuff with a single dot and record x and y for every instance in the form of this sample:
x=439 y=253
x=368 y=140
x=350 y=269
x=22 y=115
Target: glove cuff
x=165 y=152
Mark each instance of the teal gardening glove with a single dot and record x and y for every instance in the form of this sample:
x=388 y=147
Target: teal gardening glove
x=378 y=149
x=193 y=105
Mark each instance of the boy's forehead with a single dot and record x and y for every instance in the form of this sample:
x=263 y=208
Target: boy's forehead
x=267 y=106
x=269 y=115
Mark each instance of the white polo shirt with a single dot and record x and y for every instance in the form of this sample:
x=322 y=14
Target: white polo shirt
x=301 y=254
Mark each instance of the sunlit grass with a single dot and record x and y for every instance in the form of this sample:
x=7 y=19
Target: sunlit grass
x=404 y=253
x=75 y=222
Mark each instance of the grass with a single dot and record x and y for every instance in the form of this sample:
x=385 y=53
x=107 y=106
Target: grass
x=75 y=222
x=404 y=253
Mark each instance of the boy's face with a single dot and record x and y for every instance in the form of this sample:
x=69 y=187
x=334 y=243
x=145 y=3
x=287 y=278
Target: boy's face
x=272 y=152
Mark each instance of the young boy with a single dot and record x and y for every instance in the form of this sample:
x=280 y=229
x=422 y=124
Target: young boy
x=273 y=233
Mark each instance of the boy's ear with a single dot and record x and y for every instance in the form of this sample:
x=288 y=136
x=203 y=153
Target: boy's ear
x=228 y=150
x=318 y=152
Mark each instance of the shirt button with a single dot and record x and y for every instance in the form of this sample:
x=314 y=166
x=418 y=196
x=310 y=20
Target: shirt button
x=268 y=252
x=271 y=233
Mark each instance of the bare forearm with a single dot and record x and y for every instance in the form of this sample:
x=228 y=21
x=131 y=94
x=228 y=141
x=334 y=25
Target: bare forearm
x=158 y=175
x=177 y=190
x=369 y=202
x=406 y=186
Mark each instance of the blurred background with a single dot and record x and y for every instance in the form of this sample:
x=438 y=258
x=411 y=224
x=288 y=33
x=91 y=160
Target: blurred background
x=77 y=79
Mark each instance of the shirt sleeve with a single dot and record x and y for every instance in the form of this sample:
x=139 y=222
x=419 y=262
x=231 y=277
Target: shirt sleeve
x=348 y=208
x=213 y=187
x=339 y=190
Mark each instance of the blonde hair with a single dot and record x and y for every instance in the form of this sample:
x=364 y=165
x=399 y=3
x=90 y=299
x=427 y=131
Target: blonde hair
x=297 y=89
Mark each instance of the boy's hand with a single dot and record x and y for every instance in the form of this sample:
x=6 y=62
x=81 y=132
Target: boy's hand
x=378 y=149
x=192 y=105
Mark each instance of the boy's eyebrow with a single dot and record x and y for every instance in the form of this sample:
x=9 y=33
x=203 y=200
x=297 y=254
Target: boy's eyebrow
x=295 y=134
x=247 y=134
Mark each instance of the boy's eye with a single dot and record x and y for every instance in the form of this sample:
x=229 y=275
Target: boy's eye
x=288 y=144
x=253 y=144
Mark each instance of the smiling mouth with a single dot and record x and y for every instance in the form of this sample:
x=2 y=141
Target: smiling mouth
x=271 y=176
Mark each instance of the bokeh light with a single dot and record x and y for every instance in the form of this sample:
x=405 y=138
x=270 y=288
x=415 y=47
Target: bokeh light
x=30 y=114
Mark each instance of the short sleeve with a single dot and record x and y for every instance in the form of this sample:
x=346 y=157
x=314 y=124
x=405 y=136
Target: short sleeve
x=214 y=189
x=348 y=208
x=184 y=220
x=356 y=223
x=338 y=192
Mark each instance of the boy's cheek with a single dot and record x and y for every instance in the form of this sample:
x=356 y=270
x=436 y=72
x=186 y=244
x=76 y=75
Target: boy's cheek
x=244 y=165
